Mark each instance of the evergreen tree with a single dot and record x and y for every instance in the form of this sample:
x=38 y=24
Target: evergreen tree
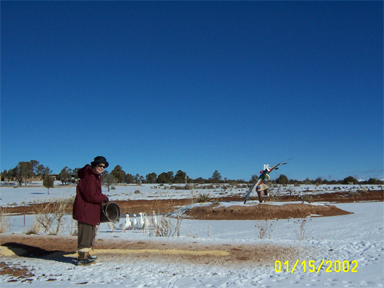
x=48 y=182
x=7 y=175
x=307 y=181
x=41 y=171
x=349 y=180
x=75 y=173
x=166 y=177
x=374 y=181
x=139 y=179
x=108 y=179
x=151 y=178
x=162 y=178
x=254 y=178
x=129 y=178
x=65 y=175
x=119 y=173
x=216 y=177
x=23 y=171
x=34 y=164
x=180 y=177
x=318 y=180
x=282 y=179
x=170 y=177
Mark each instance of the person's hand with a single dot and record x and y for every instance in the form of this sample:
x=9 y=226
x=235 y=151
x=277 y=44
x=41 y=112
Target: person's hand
x=106 y=200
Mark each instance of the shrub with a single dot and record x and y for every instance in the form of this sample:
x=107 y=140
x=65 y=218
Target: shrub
x=354 y=194
x=300 y=231
x=265 y=228
x=166 y=228
x=35 y=229
x=51 y=214
x=202 y=198
x=48 y=182
x=306 y=198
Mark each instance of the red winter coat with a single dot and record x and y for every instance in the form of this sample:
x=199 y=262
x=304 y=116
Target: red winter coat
x=87 y=206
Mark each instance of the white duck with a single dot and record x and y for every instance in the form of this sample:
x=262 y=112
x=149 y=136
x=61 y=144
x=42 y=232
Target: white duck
x=154 y=219
x=127 y=224
x=146 y=224
x=140 y=223
x=134 y=222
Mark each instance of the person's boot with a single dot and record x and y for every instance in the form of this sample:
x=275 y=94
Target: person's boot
x=83 y=258
x=94 y=257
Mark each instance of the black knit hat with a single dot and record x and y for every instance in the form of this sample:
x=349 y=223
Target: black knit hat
x=100 y=159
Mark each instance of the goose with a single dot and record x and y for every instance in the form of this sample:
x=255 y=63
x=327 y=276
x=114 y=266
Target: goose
x=134 y=222
x=140 y=223
x=154 y=219
x=126 y=224
x=146 y=223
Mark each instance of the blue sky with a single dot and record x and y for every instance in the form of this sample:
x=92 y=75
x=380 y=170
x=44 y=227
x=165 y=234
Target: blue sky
x=194 y=86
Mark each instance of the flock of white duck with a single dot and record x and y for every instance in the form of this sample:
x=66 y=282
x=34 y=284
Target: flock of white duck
x=140 y=222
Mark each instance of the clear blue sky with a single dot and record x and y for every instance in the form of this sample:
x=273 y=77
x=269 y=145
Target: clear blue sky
x=194 y=86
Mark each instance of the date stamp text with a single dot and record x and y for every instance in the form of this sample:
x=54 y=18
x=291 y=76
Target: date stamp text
x=311 y=266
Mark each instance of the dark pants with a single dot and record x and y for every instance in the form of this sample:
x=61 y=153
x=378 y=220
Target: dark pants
x=85 y=236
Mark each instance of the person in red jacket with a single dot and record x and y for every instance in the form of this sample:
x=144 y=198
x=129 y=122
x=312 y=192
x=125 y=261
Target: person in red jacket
x=87 y=206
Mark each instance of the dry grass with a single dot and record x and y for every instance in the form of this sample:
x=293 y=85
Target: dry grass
x=300 y=229
x=306 y=198
x=202 y=198
x=167 y=228
x=35 y=229
x=264 y=228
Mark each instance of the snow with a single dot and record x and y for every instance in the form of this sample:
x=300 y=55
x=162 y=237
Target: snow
x=34 y=192
x=355 y=237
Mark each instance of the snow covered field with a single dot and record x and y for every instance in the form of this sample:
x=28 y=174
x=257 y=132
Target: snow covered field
x=357 y=237
x=13 y=196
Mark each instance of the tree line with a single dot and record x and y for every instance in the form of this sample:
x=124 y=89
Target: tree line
x=32 y=170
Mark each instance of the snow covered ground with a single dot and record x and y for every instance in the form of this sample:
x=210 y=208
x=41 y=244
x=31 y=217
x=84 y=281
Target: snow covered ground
x=357 y=237
x=13 y=196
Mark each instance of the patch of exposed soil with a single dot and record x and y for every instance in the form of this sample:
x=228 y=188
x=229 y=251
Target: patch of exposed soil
x=43 y=246
x=19 y=274
x=340 y=197
x=263 y=211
